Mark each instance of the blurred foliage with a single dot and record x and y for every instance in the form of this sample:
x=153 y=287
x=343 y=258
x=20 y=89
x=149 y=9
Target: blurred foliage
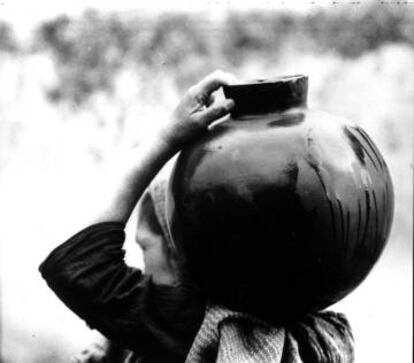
x=89 y=50
x=7 y=40
x=362 y=31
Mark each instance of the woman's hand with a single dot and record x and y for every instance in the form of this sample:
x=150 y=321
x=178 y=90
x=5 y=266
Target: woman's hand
x=102 y=352
x=94 y=353
x=197 y=110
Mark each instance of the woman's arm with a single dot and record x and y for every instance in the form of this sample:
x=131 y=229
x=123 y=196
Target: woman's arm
x=88 y=272
x=190 y=119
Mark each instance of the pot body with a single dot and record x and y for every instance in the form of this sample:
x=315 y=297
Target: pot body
x=280 y=214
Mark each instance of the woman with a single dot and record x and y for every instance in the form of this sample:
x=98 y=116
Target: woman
x=159 y=315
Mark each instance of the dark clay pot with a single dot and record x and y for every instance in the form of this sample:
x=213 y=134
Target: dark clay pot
x=281 y=210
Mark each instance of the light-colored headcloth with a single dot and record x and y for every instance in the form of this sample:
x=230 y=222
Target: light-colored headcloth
x=227 y=336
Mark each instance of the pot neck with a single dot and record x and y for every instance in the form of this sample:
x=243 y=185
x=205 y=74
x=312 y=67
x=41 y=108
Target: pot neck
x=268 y=96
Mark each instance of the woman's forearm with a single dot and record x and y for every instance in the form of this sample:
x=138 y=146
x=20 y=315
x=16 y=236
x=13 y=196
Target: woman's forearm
x=130 y=177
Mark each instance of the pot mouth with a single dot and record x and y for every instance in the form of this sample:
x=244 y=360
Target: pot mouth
x=276 y=79
x=262 y=96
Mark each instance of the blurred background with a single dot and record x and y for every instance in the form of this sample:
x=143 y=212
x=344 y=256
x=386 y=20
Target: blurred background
x=81 y=82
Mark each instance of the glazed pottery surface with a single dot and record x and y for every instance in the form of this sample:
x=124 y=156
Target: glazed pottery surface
x=281 y=210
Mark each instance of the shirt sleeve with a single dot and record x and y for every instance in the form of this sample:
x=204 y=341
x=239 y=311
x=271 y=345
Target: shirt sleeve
x=89 y=275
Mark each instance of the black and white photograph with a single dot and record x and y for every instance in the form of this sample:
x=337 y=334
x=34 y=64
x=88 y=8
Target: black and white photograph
x=208 y=181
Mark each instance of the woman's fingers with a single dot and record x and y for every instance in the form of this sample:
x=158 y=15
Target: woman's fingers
x=92 y=354
x=215 y=111
x=211 y=83
x=198 y=109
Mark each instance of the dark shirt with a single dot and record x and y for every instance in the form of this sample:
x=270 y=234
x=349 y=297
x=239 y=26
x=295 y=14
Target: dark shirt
x=89 y=275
